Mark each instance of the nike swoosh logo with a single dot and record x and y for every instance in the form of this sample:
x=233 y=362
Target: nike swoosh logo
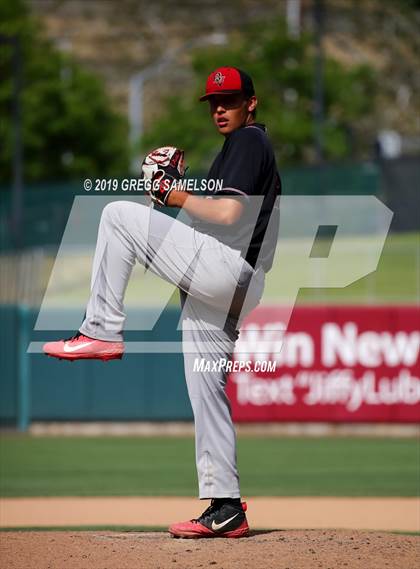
x=69 y=349
x=216 y=527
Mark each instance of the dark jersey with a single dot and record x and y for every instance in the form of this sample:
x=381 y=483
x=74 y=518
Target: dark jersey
x=248 y=169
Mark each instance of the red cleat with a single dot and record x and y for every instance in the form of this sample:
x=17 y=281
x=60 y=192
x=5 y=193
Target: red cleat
x=80 y=347
x=221 y=519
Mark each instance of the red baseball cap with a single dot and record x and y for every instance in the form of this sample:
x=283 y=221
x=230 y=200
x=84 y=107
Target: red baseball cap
x=228 y=80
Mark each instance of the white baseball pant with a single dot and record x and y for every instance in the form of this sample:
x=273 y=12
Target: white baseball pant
x=207 y=272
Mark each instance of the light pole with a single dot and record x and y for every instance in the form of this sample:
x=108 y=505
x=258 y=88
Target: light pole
x=136 y=102
x=319 y=81
x=136 y=87
x=17 y=168
x=293 y=18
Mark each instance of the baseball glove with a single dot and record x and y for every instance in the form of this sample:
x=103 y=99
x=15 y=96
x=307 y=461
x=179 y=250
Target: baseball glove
x=163 y=167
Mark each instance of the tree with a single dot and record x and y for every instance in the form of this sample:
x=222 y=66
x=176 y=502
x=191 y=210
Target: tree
x=68 y=126
x=283 y=72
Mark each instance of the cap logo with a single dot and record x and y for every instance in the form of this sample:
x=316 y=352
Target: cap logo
x=219 y=78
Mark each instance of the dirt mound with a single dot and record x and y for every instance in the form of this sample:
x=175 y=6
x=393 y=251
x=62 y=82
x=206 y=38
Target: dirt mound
x=316 y=512
x=286 y=549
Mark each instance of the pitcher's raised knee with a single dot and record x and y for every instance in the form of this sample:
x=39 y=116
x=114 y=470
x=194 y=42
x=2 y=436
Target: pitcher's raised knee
x=121 y=210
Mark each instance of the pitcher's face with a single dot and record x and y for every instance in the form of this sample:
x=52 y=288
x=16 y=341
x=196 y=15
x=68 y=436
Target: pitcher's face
x=230 y=112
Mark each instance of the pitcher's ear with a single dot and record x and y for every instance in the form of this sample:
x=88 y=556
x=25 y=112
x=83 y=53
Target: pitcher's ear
x=252 y=103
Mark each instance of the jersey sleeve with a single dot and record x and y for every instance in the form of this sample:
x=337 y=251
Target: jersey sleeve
x=242 y=164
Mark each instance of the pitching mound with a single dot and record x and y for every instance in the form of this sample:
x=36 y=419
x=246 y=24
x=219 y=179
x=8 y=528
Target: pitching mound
x=294 y=549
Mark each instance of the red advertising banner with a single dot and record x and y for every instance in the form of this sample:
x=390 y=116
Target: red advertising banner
x=336 y=364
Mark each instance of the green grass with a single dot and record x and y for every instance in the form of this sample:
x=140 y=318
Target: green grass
x=157 y=466
x=395 y=279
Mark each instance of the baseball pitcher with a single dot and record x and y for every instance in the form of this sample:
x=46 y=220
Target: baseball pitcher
x=219 y=265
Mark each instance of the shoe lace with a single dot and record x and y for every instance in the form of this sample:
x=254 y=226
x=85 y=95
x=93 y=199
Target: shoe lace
x=207 y=512
x=75 y=337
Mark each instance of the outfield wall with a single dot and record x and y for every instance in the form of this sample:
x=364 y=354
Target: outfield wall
x=338 y=364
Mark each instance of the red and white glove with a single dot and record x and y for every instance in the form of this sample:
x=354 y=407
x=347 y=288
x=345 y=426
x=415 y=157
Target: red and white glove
x=163 y=167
